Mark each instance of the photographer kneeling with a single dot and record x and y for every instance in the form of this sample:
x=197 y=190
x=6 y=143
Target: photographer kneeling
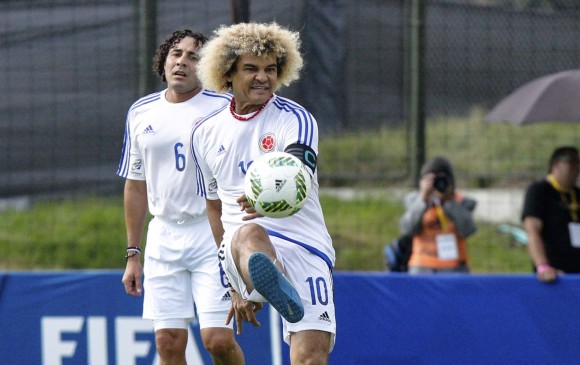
x=440 y=220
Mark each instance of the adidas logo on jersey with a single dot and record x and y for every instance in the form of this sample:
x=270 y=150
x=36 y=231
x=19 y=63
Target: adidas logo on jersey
x=324 y=317
x=221 y=150
x=227 y=296
x=148 y=130
x=279 y=184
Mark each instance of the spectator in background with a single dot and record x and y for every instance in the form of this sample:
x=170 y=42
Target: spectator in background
x=439 y=221
x=551 y=217
x=181 y=266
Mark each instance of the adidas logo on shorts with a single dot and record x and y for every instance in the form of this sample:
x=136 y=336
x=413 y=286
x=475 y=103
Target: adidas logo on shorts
x=324 y=317
x=227 y=296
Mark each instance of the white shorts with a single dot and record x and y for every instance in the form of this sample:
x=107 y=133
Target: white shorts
x=181 y=268
x=310 y=276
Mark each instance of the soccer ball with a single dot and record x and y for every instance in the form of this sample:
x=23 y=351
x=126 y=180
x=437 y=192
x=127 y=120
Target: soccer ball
x=277 y=184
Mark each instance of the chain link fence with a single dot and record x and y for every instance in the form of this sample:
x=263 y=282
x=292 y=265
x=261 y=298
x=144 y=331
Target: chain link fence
x=69 y=72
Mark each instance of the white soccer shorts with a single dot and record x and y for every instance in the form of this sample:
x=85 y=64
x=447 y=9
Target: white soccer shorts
x=181 y=268
x=310 y=276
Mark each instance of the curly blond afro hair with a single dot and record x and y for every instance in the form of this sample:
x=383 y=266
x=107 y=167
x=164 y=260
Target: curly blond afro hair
x=219 y=55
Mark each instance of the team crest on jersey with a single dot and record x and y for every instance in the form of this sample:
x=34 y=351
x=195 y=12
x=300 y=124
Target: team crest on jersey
x=137 y=165
x=267 y=142
x=213 y=186
x=136 y=168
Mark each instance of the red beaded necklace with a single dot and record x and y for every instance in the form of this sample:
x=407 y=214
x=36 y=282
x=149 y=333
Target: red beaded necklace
x=239 y=117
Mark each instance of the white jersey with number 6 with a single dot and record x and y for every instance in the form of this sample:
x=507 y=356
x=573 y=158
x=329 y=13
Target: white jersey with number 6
x=156 y=148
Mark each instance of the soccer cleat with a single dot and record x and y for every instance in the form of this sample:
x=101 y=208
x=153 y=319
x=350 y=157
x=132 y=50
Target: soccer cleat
x=275 y=288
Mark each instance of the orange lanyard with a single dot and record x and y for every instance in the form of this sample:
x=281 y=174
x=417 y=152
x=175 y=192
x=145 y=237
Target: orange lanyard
x=442 y=217
x=573 y=202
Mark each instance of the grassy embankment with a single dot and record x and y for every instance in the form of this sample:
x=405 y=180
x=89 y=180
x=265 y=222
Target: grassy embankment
x=88 y=232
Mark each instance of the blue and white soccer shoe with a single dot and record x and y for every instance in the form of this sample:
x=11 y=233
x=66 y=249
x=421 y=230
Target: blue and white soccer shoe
x=275 y=288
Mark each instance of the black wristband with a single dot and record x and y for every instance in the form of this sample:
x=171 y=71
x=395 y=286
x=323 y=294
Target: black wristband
x=132 y=251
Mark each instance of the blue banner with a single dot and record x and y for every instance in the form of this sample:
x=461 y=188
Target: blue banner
x=456 y=319
x=85 y=318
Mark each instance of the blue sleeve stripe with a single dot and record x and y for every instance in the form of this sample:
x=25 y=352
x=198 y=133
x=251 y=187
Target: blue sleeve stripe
x=200 y=188
x=145 y=100
x=213 y=94
x=122 y=169
x=304 y=118
x=201 y=191
x=311 y=249
x=308 y=127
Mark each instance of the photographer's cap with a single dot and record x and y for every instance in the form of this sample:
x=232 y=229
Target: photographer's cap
x=438 y=165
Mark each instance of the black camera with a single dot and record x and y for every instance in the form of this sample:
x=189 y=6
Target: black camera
x=441 y=183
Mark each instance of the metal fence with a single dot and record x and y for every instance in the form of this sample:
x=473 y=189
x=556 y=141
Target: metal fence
x=69 y=72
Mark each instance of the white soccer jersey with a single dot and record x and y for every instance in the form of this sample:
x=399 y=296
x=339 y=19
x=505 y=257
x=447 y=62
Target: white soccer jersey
x=223 y=148
x=156 y=148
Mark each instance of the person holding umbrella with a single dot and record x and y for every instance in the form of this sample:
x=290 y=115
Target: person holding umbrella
x=551 y=217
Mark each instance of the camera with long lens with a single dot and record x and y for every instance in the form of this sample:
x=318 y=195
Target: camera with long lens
x=441 y=183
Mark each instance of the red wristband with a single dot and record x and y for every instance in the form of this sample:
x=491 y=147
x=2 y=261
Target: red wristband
x=543 y=268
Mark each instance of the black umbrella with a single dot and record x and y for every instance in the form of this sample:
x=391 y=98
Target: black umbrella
x=551 y=98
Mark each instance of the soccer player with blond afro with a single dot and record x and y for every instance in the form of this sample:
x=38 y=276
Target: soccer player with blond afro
x=287 y=262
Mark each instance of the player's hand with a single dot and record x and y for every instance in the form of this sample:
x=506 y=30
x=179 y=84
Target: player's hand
x=426 y=186
x=243 y=310
x=548 y=275
x=246 y=207
x=132 y=276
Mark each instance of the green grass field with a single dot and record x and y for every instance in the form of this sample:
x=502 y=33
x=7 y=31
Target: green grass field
x=89 y=233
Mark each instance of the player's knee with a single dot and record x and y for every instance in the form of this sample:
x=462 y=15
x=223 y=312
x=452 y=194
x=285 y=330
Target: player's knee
x=219 y=343
x=249 y=231
x=170 y=343
x=310 y=348
x=252 y=237
x=305 y=357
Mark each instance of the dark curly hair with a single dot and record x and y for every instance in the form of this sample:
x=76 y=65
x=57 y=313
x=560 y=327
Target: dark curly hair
x=163 y=50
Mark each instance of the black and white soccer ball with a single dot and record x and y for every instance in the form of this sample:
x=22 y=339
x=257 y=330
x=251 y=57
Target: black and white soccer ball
x=277 y=184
